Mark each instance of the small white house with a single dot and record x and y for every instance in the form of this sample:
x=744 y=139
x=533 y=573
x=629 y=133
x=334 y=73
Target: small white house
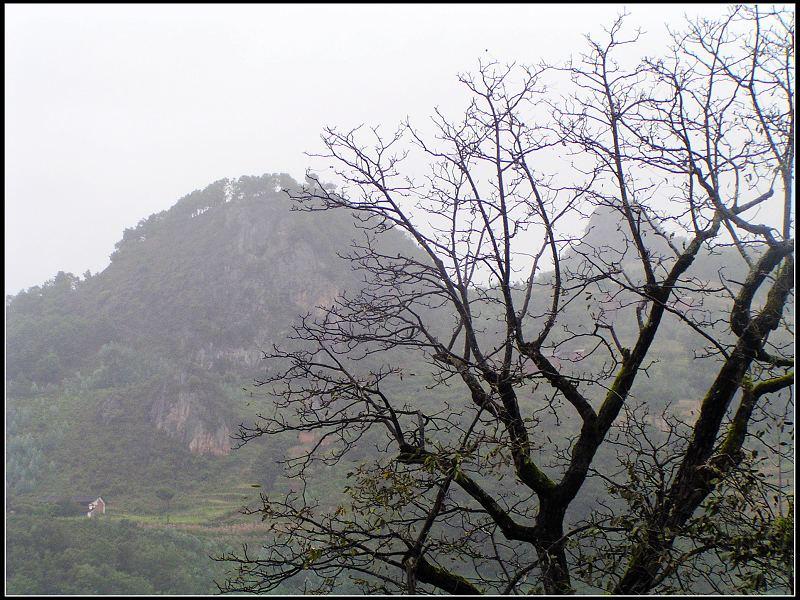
x=94 y=505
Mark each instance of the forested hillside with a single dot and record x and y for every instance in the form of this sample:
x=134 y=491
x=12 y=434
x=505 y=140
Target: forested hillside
x=121 y=378
x=134 y=380
x=129 y=383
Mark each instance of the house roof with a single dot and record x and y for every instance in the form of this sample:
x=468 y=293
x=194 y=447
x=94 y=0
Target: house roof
x=85 y=499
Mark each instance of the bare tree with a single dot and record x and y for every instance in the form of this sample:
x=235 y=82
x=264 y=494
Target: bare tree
x=473 y=490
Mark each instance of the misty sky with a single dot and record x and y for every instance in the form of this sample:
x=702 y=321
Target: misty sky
x=113 y=112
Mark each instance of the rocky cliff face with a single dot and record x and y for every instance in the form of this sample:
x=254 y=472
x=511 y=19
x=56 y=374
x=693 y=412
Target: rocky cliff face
x=184 y=410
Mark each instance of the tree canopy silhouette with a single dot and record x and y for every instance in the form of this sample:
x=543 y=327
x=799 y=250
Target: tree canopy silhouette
x=529 y=463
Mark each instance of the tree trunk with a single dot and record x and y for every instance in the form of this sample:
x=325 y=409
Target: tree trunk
x=550 y=548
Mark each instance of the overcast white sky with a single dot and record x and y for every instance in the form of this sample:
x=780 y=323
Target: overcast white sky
x=113 y=112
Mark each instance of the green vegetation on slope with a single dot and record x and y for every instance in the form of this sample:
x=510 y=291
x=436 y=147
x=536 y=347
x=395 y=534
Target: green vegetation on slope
x=113 y=377
x=48 y=555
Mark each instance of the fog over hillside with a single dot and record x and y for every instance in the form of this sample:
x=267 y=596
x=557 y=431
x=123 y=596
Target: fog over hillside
x=115 y=111
x=400 y=300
